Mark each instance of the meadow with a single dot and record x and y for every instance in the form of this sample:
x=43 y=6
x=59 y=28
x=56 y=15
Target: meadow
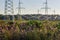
x=29 y=30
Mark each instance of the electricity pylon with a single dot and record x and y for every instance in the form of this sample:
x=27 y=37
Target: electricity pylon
x=46 y=7
x=9 y=8
x=19 y=10
x=38 y=11
x=54 y=12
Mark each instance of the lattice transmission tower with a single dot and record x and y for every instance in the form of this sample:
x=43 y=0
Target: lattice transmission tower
x=19 y=10
x=46 y=7
x=9 y=9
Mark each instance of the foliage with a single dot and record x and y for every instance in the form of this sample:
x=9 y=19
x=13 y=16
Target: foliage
x=58 y=25
x=31 y=30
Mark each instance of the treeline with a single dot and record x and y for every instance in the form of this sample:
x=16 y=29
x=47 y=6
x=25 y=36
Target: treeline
x=8 y=17
x=31 y=30
x=31 y=17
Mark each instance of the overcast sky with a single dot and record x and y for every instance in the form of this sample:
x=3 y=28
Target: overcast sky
x=31 y=6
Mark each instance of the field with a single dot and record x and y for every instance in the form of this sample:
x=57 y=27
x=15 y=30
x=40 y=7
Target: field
x=29 y=30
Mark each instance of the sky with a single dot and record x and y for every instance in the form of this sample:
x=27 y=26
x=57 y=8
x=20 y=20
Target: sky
x=31 y=6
